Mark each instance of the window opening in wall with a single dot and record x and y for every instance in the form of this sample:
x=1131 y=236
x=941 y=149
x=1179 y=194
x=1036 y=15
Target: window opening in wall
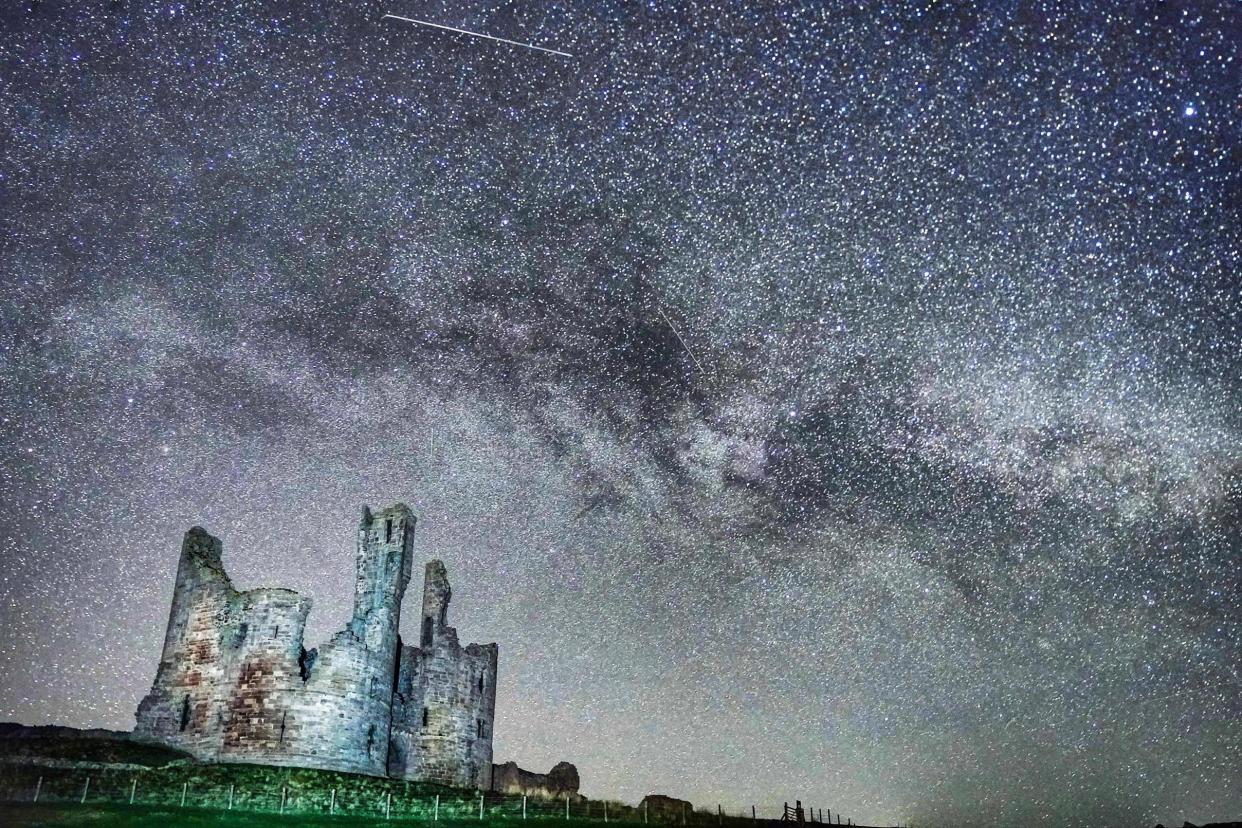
x=480 y=682
x=478 y=726
x=427 y=622
x=185 y=713
x=388 y=531
x=396 y=667
x=425 y=717
x=283 y=717
x=305 y=662
x=370 y=740
x=276 y=632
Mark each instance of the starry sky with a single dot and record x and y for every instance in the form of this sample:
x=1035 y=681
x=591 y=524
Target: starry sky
x=839 y=402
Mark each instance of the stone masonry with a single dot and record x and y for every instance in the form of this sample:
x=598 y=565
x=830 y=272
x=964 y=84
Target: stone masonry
x=559 y=783
x=444 y=702
x=236 y=684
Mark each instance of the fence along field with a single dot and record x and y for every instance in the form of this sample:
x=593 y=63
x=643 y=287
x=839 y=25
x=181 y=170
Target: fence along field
x=301 y=792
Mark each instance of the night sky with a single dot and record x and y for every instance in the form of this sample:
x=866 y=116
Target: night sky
x=820 y=401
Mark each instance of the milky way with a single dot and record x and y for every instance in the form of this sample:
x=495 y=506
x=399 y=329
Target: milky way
x=834 y=403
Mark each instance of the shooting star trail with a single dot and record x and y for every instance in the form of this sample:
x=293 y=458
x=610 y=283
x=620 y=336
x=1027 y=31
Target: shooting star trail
x=673 y=328
x=476 y=34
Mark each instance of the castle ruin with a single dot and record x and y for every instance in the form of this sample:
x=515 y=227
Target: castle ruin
x=236 y=684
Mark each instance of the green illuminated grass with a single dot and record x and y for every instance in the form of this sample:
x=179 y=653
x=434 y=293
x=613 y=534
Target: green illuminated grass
x=104 y=815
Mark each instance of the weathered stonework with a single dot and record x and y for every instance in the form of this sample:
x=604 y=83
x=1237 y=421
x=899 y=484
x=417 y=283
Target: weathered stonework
x=445 y=699
x=236 y=684
x=661 y=808
x=558 y=783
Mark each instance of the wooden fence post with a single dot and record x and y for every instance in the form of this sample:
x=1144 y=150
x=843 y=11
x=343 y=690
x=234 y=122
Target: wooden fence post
x=683 y=813
x=566 y=806
x=719 y=814
x=230 y=796
x=38 y=787
x=388 y=806
x=185 y=786
x=605 y=810
x=332 y=804
x=133 y=789
x=86 y=788
x=480 y=805
x=437 y=816
x=523 y=806
x=282 y=799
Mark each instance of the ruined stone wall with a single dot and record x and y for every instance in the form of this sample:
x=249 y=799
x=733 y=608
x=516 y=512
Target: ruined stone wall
x=235 y=682
x=260 y=693
x=184 y=707
x=230 y=670
x=343 y=712
x=661 y=808
x=558 y=783
x=445 y=705
x=201 y=591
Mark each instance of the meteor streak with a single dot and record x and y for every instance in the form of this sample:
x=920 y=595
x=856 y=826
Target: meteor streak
x=673 y=328
x=476 y=34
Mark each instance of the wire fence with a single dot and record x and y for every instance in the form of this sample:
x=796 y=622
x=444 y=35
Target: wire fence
x=382 y=799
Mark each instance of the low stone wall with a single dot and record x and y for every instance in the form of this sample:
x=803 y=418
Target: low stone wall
x=557 y=783
x=661 y=808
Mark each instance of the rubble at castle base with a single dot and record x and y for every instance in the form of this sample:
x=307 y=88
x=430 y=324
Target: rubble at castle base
x=235 y=683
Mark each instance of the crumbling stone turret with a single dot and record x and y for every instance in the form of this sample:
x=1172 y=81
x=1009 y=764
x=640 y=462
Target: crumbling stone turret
x=445 y=699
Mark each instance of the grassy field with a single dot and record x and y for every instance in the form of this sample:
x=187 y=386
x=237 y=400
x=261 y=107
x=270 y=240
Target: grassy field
x=192 y=794
x=107 y=816
x=89 y=749
x=247 y=787
x=97 y=815
x=154 y=786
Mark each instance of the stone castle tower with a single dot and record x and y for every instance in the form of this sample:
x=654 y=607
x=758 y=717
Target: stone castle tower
x=236 y=684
